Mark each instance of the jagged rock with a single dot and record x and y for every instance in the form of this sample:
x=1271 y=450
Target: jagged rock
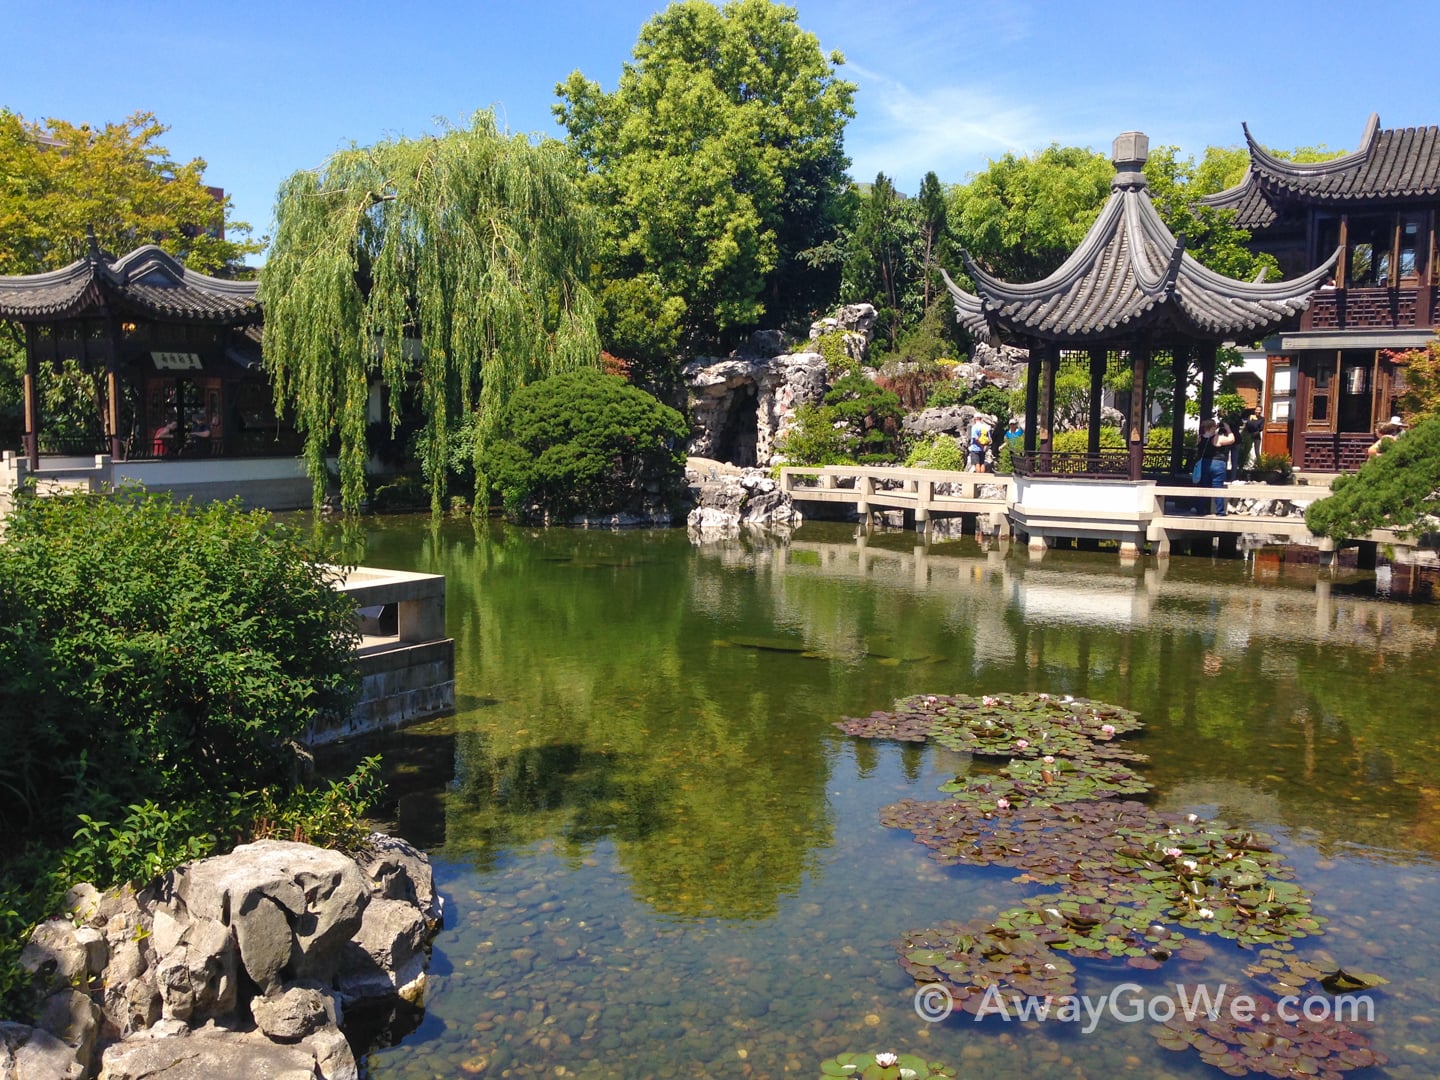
x=397 y=870
x=205 y=1055
x=28 y=1053
x=56 y=956
x=295 y=1012
x=75 y=1020
x=317 y=894
x=946 y=420
x=728 y=503
x=742 y=408
x=857 y=322
x=387 y=954
x=196 y=977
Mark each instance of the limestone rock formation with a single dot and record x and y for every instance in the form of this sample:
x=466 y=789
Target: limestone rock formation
x=729 y=500
x=235 y=965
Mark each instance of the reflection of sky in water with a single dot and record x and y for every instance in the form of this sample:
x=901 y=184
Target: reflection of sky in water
x=656 y=753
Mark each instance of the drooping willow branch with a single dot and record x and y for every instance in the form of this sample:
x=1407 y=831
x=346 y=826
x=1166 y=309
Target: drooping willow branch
x=452 y=269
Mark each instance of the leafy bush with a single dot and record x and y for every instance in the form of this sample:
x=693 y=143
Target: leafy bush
x=157 y=663
x=1078 y=441
x=584 y=442
x=858 y=421
x=1396 y=489
x=937 y=452
x=153 y=649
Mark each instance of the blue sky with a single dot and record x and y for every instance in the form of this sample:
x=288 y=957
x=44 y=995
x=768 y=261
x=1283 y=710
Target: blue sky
x=260 y=88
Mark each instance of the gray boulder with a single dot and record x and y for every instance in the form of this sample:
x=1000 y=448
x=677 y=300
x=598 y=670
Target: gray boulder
x=387 y=956
x=397 y=870
x=56 y=956
x=28 y=1053
x=75 y=1020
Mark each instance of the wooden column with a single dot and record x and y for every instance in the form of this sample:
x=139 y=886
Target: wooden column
x=1207 y=380
x=112 y=390
x=1425 y=249
x=30 y=390
x=1139 y=361
x=1098 y=359
x=1180 y=372
x=1050 y=360
x=1032 y=402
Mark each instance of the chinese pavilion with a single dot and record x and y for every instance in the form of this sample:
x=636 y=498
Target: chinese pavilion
x=1129 y=288
x=176 y=353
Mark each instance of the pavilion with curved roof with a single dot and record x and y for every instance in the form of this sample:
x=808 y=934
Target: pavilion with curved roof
x=177 y=350
x=1129 y=288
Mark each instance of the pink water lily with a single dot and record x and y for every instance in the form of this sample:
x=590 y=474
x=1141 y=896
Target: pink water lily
x=1048 y=759
x=1107 y=730
x=1002 y=804
x=1021 y=744
x=1173 y=852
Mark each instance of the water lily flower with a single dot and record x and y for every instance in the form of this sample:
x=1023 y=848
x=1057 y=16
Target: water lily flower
x=1173 y=852
x=1002 y=804
x=1044 y=697
x=886 y=1060
x=1205 y=913
x=1192 y=818
x=1107 y=730
x=1191 y=865
x=990 y=700
x=1048 y=759
x=1068 y=698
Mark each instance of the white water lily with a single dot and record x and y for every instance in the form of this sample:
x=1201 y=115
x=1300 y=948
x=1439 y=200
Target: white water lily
x=1205 y=913
x=886 y=1060
x=1190 y=864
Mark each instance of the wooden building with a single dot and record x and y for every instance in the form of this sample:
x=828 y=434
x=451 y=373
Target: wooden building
x=1332 y=379
x=1130 y=288
x=175 y=355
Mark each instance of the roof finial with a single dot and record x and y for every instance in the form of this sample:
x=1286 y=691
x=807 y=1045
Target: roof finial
x=92 y=244
x=1128 y=154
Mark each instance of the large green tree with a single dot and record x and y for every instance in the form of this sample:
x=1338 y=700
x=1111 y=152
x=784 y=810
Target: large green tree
x=1399 y=489
x=451 y=266
x=718 y=160
x=62 y=179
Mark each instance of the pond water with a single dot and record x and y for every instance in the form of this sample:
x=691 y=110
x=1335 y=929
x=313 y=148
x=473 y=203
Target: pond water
x=660 y=858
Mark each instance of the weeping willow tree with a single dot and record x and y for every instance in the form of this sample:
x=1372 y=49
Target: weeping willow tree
x=452 y=268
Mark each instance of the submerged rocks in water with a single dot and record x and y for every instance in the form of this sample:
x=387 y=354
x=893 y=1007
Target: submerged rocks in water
x=232 y=965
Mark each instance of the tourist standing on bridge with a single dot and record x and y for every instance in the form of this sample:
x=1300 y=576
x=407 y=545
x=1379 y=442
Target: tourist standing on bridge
x=1213 y=458
x=979 y=445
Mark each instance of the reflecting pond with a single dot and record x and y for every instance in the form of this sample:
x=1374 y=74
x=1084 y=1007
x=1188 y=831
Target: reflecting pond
x=661 y=858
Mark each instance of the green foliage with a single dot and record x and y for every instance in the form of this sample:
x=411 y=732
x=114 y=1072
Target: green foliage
x=937 y=452
x=933 y=338
x=1023 y=216
x=857 y=422
x=157 y=650
x=1422 y=380
x=475 y=242
x=62 y=179
x=641 y=322
x=832 y=347
x=990 y=400
x=1210 y=233
x=718 y=160
x=1396 y=489
x=1077 y=441
x=879 y=263
x=583 y=442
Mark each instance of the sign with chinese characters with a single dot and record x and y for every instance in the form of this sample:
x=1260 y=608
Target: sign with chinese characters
x=177 y=361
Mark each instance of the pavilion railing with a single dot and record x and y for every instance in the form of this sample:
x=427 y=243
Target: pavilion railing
x=1107 y=464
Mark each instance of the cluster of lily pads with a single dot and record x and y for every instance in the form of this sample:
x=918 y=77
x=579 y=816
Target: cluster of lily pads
x=886 y=1066
x=1133 y=885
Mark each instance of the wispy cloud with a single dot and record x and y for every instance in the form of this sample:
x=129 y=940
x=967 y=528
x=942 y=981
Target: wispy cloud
x=953 y=129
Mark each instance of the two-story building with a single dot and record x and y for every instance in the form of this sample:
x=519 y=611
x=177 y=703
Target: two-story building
x=1332 y=380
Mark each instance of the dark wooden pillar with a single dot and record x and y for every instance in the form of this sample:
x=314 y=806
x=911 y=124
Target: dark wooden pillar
x=1139 y=362
x=1207 y=380
x=1050 y=361
x=1424 y=292
x=1032 y=402
x=1180 y=372
x=112 y=391
x=31 y=390
x=1098 y=362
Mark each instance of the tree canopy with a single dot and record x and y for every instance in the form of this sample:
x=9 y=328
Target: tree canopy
x=62 y=179
x=718 y=159
x=452 y=267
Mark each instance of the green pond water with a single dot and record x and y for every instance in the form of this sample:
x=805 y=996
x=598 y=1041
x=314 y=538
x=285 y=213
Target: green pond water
x=660 y=858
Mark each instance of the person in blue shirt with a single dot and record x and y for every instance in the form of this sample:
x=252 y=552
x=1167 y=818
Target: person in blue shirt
x=1015 y=437
x=979 y=445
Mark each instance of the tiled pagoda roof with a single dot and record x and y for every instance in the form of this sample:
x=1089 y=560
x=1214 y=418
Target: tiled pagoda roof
x=1128 y=279
x=1391 y=163
x=147 y=283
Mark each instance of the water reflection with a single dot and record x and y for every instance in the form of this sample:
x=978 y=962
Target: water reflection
x=645 y=745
